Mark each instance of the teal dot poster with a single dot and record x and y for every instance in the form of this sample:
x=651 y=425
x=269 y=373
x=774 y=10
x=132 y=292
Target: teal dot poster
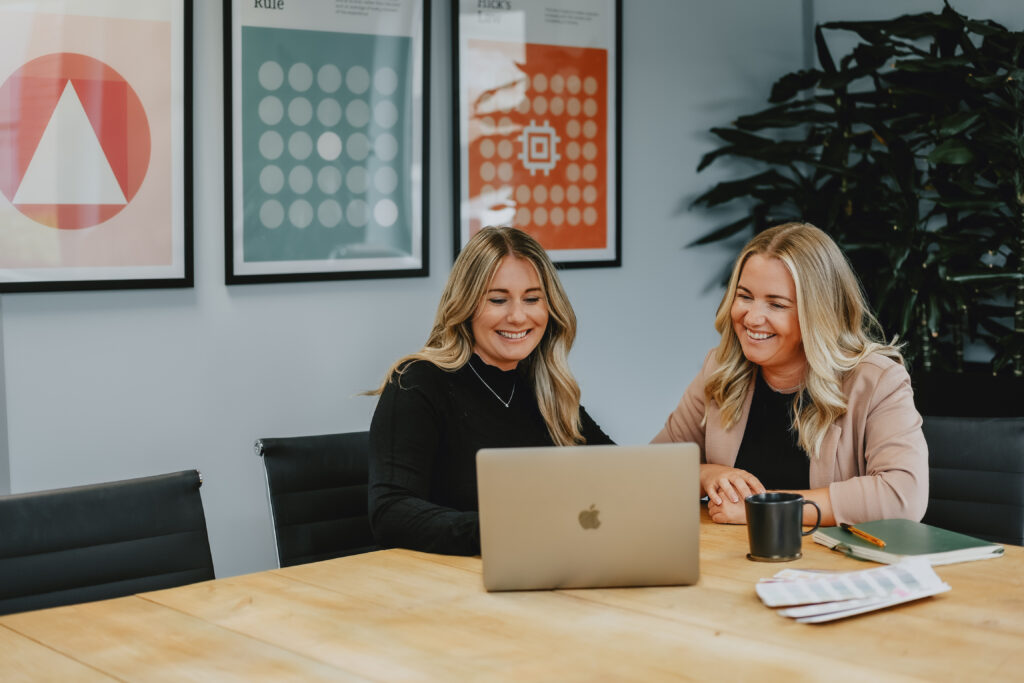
x=326 y=146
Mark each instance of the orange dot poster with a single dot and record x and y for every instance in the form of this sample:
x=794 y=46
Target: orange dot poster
x=538 y=125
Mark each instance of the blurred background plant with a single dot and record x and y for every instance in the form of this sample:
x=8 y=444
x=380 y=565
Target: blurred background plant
x=909 y=151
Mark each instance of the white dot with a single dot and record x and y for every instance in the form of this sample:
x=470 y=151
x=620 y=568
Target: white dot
x=271 y=179
x=300 y=213
x=300 y=111
x=557 y=194
x=385 y=180
x=300 y=77
x=573 y=84
x=385 y=114
x=572 y=128
x=540 y=106
x=329 y=213
x=357 y=113
x=590 y=106
x=573 y=194
x=505 y=149
x=487 y=171
x=590 y=173
x=270 y=75
x=357 y=146
x=590 y=194
x=505 y=172
x=522 y=194
x=328 y=146
x=540 y=194
x=540 y=82
x=524 y=105
x=557 y=83
x=328 y=179
x=355 y=180
x=357 y=79
x=590 y=215
x=385 y=213
x=487 y=148
x=540 y=216
x=557 y=216
x=385 y=81
x=300 y=145
x=300 y=179
x=522 y=216
x=590 y=85
x=386 y=147
x=271 y=144
x=573 y=107
x=328 y=112
x=589 y=151
x=271 y=214
x=572 y=150
x=557 y=106
x=572 y=216
x=271 y=110
x=590 y=129
x=357 y=213
x=328 y=78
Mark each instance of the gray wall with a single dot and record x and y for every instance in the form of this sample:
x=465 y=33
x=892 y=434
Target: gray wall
x=109 y=385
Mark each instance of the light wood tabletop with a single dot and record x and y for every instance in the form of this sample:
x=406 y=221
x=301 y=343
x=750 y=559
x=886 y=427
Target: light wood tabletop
x=403 y=615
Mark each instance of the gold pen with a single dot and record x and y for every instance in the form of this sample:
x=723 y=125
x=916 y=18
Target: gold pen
x=863 y=534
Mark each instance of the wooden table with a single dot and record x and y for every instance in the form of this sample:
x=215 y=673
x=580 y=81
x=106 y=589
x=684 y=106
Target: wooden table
x=399 y=614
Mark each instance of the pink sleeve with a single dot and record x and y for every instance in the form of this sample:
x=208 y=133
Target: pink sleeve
x=686 y=422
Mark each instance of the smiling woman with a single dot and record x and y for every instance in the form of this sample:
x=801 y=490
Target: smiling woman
x=800 y=394
x=494 y=373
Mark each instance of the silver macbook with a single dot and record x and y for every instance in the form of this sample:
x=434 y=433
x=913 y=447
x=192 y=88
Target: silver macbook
x=589 y=516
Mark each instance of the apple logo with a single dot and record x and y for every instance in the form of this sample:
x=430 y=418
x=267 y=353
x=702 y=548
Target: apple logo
x=588 y=518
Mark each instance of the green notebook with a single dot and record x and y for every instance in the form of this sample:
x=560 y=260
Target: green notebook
x=904 y=538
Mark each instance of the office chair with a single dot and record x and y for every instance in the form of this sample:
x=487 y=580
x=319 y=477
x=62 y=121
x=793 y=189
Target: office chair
x=102 y=541
x=976 y=468
x=317 y=488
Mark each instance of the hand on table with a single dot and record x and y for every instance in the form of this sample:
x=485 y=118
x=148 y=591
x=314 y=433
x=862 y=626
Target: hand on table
x=728 y=512
x=722 y=484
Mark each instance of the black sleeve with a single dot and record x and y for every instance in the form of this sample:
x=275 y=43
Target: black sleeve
x=404 y=447
x=591 y=431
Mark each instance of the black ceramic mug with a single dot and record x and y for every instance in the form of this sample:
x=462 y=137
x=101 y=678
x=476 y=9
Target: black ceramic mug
x=774 y=525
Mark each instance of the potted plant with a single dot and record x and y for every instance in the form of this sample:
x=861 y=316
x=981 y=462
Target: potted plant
x=909 y=151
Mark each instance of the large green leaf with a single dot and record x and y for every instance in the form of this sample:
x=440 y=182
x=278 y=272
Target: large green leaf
x=951 y=152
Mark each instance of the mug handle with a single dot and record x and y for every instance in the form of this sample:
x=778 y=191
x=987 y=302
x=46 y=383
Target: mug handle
x=817 y=523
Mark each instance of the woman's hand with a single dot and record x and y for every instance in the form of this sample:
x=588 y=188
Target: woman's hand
x=728 y=512
x=721 y=484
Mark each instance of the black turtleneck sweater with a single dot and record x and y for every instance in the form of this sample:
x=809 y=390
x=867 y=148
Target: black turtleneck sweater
x=425 y=433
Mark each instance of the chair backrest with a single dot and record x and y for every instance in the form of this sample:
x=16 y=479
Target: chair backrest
x=976 y=467
x=317 y=487
x=102 y=541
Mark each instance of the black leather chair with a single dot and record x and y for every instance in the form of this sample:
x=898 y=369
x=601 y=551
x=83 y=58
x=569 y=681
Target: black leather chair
x=976 y=467
x=102 y=541
x=317 y=487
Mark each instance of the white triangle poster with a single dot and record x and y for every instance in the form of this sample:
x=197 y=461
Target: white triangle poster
x=69 y=165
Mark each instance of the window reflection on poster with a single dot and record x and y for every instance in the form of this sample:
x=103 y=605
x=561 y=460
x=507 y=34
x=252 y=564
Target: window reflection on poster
x=537 y=132
x=95 y=144
x=325 y=139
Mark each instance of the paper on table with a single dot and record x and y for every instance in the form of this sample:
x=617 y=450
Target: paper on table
x=834 y=596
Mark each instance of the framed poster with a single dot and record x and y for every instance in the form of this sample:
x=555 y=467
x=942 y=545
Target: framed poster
x=95 y=144
x=325 y=151
x=537 y=134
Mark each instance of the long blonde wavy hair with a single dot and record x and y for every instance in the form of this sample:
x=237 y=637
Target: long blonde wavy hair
x=450 y=344
x=837 y=329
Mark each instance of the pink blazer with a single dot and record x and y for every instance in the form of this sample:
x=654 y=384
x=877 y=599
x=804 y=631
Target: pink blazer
x=873 y=460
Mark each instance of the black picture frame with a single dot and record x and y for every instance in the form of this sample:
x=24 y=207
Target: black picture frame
x=496 y=88
x=372 y=235
x=129 y=225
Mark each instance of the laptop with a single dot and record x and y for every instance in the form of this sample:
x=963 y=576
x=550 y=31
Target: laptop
x=589 y=516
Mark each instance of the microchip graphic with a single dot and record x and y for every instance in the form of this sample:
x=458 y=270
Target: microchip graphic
x=540 y=148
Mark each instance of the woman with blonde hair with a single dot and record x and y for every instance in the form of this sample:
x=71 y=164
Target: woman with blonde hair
x=493 y=373
x=801 y=394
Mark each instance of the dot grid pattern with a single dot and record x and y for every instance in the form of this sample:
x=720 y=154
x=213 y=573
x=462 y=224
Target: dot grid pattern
x=541 y=146
x=323 y=115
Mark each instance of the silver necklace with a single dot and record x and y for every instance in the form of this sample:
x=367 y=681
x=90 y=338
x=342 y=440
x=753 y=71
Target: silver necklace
x=500 y=399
